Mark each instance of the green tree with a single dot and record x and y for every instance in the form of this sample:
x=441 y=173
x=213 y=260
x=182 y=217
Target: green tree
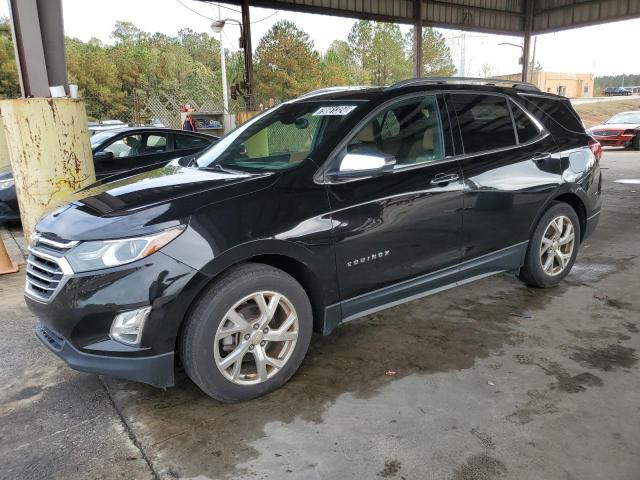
x=286 y=64
x=9 y=85
x=360 y=41
x=389 y=61
x=436 y=56
x=338 y=66
x=93 y=70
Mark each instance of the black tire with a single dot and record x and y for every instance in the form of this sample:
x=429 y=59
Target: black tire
x=532 y=273
x=635 y=143
x=198 y=334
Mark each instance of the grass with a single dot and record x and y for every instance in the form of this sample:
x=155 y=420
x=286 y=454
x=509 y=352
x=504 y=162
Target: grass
x=596 y=113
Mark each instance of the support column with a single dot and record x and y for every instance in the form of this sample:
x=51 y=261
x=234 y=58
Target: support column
x=248 y=55
x=47 y=138
x=526 y=48
x=48 y=144
x=27 y=41
x=418 y=9
x=52 y=32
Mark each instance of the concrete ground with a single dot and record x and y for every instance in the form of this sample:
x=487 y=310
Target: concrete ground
x=487 y=381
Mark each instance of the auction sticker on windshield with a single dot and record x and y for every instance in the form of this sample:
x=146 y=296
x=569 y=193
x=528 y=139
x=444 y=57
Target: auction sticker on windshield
x=335 y=110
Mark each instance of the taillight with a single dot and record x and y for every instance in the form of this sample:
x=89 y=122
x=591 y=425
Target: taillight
x=596 y=148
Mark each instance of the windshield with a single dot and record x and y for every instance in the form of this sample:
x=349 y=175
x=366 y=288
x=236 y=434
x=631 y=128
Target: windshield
x=98 y=138
x=279 y=138
x=625 y=117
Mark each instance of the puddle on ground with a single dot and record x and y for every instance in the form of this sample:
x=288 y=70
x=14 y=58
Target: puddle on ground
x=606 y=358
x=591 y=272
x=191 y=434
x=629 y=181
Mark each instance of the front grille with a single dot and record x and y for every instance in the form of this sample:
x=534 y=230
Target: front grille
x=606 y=133
x=46 y=267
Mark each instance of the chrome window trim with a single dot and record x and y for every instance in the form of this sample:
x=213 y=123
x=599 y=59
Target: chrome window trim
x=321 y=178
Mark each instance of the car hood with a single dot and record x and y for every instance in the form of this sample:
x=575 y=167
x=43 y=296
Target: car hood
x=615 y=126
x=146 y=202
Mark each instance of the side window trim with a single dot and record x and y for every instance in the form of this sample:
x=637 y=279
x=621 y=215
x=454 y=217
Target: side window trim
x=542 y=131
x=320 y=177
x=513 y=121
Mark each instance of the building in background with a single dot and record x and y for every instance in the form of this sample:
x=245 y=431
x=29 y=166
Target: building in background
x=572 y=85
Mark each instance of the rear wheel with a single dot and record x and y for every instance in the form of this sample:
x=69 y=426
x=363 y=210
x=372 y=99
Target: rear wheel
x=553 y=247
x=247 y=334
x=635 y=143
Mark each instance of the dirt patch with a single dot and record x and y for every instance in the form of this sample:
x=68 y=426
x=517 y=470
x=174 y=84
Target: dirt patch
x=607 y=358
x=485 y=439
x=595 y=113
x=612 y=302
x=602 y=333
x=480 y=467
x=391 y=469
x=27 y=392
x=631 y=327
x=539 y=403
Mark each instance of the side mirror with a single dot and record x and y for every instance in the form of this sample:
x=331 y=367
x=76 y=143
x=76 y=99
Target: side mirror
x=355 y=165
x=103 y=157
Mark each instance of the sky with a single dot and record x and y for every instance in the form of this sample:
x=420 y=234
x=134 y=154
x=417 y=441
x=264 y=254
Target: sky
x=603 y=49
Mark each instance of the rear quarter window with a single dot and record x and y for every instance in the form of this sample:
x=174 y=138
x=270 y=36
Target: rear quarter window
x=557 y=111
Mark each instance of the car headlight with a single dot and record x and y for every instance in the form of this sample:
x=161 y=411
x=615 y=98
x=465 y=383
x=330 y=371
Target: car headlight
x=7 y=183
x=94 y=255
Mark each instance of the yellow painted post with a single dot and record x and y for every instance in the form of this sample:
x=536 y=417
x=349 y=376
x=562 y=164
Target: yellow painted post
x=4 y=152
x=50 y=153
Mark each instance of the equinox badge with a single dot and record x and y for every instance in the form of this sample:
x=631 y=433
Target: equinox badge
x=368 y=258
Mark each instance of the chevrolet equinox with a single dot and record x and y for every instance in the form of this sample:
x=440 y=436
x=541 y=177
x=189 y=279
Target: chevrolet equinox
x=337 y=204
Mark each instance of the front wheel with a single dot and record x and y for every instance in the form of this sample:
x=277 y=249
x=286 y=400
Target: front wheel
x=247 y=334
x=553 y=247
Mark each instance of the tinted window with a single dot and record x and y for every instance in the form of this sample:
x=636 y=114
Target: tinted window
x=485 y=122
x=155 y=144
x=184 y=142
x=129 y=146
x=553 y=110
x=525 y=128
x=409 y=130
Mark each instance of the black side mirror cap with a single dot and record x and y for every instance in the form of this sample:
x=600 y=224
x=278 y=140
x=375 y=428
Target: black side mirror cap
x=103 y=157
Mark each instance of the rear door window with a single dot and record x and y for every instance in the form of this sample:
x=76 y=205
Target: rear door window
x=186 y=142
x=485 y=122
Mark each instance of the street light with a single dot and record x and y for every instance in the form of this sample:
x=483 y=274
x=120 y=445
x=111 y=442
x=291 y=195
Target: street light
x=217 y=26
x=515 y=45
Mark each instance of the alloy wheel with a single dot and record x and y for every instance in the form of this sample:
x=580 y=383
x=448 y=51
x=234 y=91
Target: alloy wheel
x=256 y=338
x=556 y=247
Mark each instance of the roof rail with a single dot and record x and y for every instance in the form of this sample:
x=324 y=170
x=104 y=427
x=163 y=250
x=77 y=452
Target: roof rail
x=498 y=82
x=321 y=91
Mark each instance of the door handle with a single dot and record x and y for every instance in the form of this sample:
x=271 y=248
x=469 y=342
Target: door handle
x=442 y=179
x=539 y=157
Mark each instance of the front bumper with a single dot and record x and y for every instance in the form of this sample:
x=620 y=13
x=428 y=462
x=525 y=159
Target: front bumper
x=156 y=370
x=592 y=223
x=614 y=141
x=75 y=322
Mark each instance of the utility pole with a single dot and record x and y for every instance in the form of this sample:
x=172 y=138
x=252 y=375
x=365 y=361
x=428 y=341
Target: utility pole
x=223 y=71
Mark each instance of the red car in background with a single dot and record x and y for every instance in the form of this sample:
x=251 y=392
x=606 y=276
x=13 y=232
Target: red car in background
x=621 y=130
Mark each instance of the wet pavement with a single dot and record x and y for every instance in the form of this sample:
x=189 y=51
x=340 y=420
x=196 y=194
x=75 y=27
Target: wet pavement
x=490 y=380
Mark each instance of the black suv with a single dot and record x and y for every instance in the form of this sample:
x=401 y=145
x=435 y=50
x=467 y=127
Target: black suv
x=323 y=209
